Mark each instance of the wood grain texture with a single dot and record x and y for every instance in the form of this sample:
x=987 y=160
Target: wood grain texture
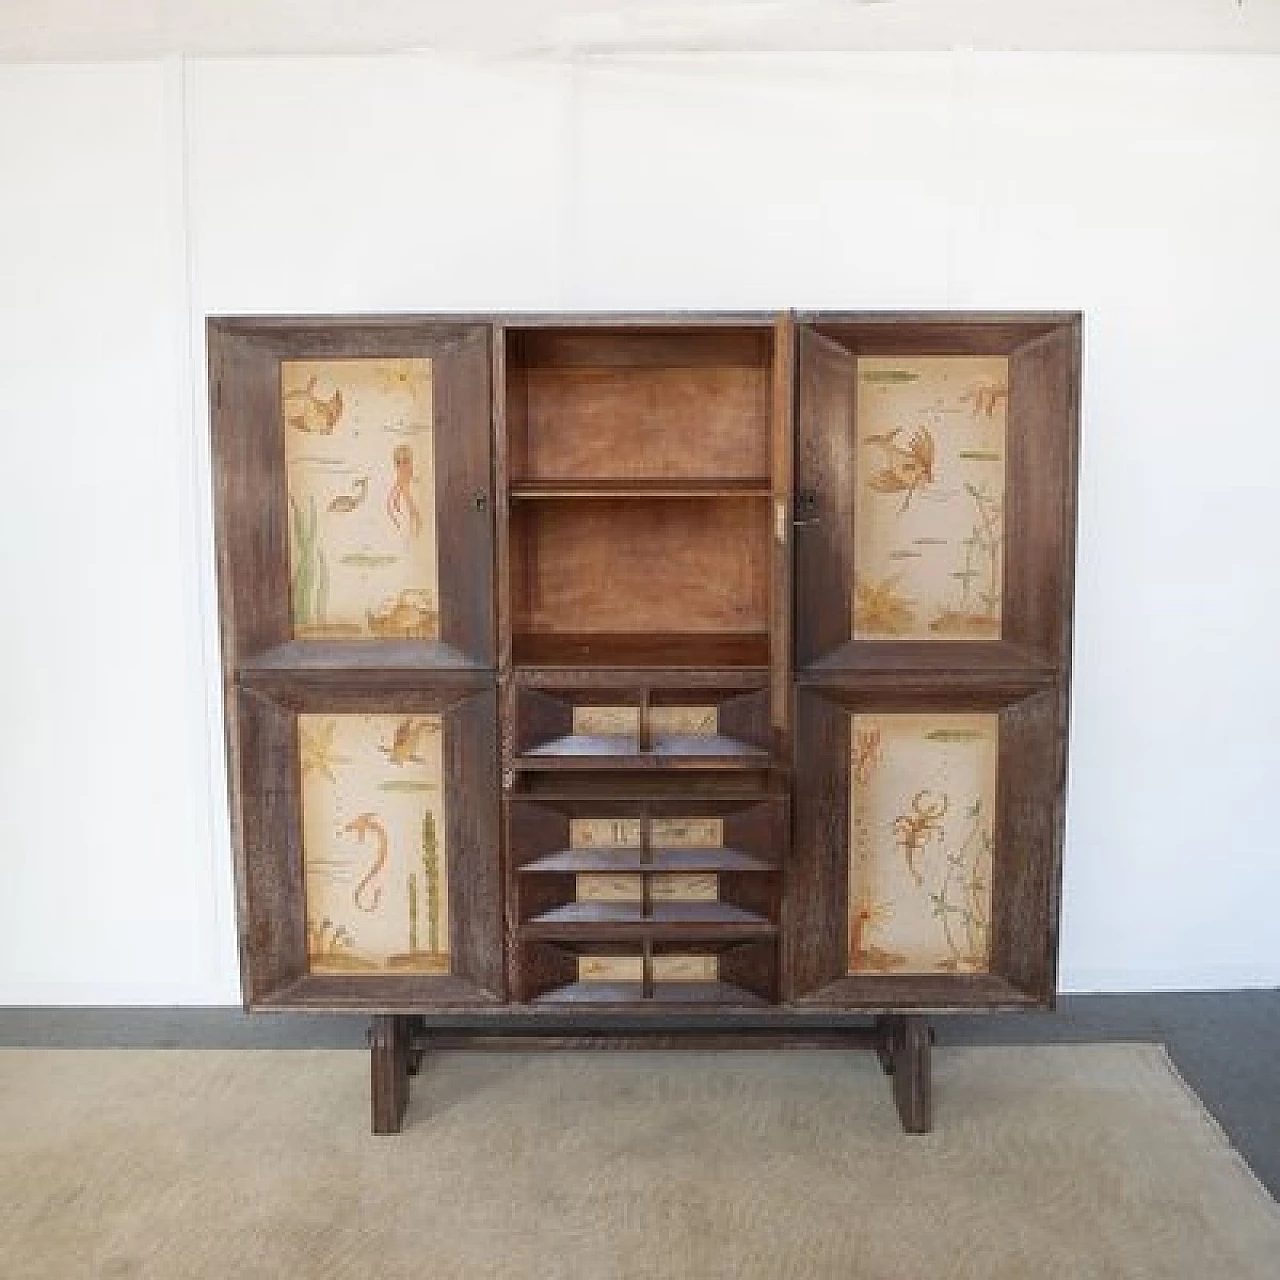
x=1026 y=873
x=651 y=506
x=664 y=564
x=826 y=382
x=909 y=1052
x=251 y=487
x=389 y=1045
x=1040 y=504
x=782 y=458
x=270 y=862
x=815 y=944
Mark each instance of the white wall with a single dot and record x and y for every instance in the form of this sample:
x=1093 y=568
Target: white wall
x=1144 y=190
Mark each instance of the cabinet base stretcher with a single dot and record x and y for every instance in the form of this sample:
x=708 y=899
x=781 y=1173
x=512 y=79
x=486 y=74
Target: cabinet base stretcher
x=902 y=1042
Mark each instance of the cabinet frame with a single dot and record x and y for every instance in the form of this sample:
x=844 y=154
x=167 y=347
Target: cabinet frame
x=787 y=674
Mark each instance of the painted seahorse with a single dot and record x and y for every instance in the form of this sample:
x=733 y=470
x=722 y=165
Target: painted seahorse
x=360 y=826
x=308 y=412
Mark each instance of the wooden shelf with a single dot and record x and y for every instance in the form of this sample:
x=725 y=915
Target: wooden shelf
x=580 y=752
x=668 y=922
x=633 y=861
x=910 y=666
x=625 y=487
x=356 y=661
x=670 y=650
x=662 y=993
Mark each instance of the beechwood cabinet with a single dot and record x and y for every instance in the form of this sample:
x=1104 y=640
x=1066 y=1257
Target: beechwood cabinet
x=656 y=679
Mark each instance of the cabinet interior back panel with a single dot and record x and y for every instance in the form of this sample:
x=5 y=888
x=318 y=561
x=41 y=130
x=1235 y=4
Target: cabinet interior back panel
x=653 y=565
x=359 y=449
x=929 y=498
x=635 y=406
x=372 y=841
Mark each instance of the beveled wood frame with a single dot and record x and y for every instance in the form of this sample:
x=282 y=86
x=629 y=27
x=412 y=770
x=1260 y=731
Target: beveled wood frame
x=1024 y=675
x=1044 y=365
x=251 y=507
x=267 y=789
x=1025 y=872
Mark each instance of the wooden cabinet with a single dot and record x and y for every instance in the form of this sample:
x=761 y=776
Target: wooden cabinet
x=636 y=677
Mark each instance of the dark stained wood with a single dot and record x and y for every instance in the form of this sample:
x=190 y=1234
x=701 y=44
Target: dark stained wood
x=928 y=666
x=845 y=1038
x=668 y=650
x=507 y=390
x=250 y=484
x=647 y=509
x=939 y=333
x=823 y=506
x=1026 y=870
x=390 y=1049
x=379 y=993
x=629 y=861
x=544 y=737
x=924 y=993
x=815 y=944
x=607 y=681
x=269 y=880
x=909 y=1052
x=270 y=856
x=620 y=490
x=475 y=842
x=782 y=452
x=1040 y=502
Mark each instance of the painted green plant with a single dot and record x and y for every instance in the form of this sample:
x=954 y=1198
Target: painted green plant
x=309 y=578
x=413 y=912
x=962 y=903
x=981 y=573
x=431 y=873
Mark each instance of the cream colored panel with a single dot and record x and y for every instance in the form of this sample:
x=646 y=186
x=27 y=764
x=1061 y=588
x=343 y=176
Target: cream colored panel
x=605 y=888
x=373 y=827
x=359 y=447
x=687 y=833
x=923 y=807
x=611 y=968
x=929 y=497
x=684 y=722
x=604 y=833
x=607 y=721
x=678 y=968
x=683 y=887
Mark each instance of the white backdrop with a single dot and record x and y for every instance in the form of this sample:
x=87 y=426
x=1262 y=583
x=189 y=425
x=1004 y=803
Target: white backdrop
x=136 y=198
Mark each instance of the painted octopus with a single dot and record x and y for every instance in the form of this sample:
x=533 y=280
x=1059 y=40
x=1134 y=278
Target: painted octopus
x=400 y=497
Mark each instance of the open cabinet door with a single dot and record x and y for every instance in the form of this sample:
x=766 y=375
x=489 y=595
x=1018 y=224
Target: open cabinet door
x=935 y=518
x=354 y=521
x=352 y=468
x=827 y=394
x=368 y=865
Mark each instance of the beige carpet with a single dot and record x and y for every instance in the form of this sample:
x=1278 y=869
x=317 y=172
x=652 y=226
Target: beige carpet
x=1079 y=1162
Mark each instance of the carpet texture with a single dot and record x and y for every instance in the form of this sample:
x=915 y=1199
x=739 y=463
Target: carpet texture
x=1048 y=1161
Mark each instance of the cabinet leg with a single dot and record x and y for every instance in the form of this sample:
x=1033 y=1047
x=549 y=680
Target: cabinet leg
x=390 y=1055
x=905 y=1054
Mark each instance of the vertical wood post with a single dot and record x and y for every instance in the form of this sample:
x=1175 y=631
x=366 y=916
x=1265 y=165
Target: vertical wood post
x=905 y=1055
x=389 y=1065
